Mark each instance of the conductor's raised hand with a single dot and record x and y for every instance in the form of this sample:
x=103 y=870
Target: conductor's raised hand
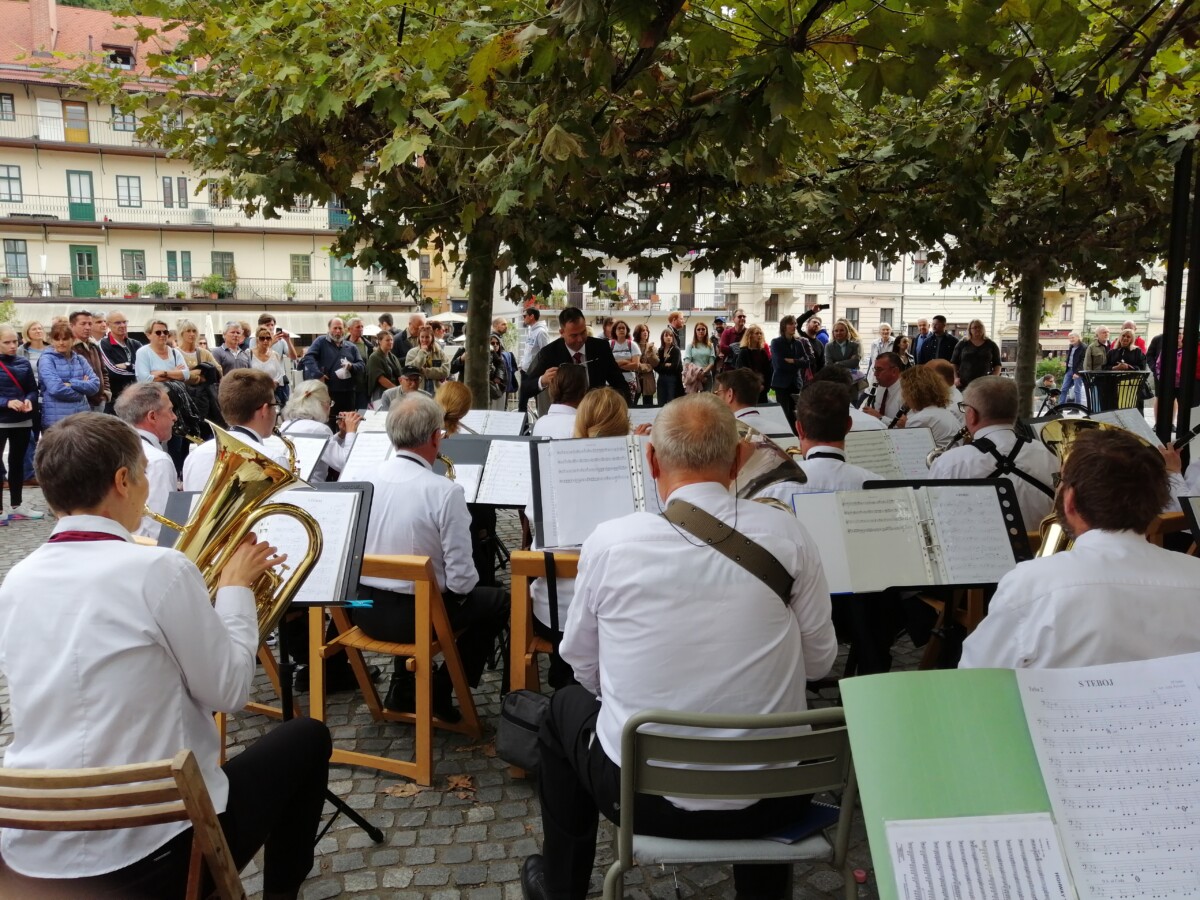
x=248 y=561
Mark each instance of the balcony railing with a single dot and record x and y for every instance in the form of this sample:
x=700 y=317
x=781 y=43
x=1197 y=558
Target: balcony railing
x=592 y=302
x=246 y=291
x=52 y=129
x=42 y=207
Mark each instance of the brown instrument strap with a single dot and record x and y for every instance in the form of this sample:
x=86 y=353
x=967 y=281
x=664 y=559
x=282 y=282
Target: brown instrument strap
x=734 y=545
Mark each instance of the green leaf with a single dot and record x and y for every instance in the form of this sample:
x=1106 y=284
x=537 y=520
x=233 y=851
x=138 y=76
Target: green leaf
x=560 y=145
x=506 y=201
x=404 y=150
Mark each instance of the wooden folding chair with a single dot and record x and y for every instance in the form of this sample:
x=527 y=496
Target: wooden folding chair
x=524 y=645
x=433 y=636
x=170 y=790
x=965 y=611
x=1164 y=524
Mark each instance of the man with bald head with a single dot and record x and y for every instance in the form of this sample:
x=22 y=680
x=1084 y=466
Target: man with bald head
x=334 y=360
x=406 y=340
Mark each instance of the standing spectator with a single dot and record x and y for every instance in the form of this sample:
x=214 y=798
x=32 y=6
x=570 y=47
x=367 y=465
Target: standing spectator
x=1096 y=354
x=882 y=345
x=607 y=326
x=1125 y=355
x=536 y=337
x=99 y=327
x=647 y=386
x=283 y=341
x=497 y=377
x=407 y=339
x=922 y=337
x=81 y=329
x=900 y=347
x=18 y=398
x=333 y=360
x=387 y=323
x=157 y=361
x=204 y=376
x=843 y=350
x=1138 y=340
x=816 y=333
x=669 y=369
x=66 y=380
x=1072 y=385
x=118 y=352
x=365 y=346
x=383 y=368
x=676 y=323
x=977 y=355
x=700 y=361
x=428 y=357
x=230 y=354
x=265 y=358
x=939 y=344
x=752 y=354
x=718 y=328
x=790 y=361
x=731 y=339
x=626 y=353
x=33 y=348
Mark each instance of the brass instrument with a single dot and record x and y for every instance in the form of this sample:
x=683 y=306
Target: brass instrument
x=963 y=435
x=449 y=464
x=231 y=504
x=767 y=464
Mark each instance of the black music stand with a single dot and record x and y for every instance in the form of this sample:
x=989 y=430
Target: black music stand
x=1114 y=390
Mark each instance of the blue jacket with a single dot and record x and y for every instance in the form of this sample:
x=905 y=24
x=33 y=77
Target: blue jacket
x=323 y=358
x=25 y=388
x=66 y=385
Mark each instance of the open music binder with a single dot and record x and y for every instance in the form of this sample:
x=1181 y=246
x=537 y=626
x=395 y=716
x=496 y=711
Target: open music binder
x=915 y=534
x=581 y=482
x=892 y=453
x=492 y=469
x=1103 y=756
x=494 y=422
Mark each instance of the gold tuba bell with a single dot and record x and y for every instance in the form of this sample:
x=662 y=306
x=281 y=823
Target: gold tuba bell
x=231 y=504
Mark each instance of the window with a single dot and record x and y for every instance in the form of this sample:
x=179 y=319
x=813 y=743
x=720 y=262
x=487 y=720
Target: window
x=885 y=315
x=217 y=199
x=771 y=311
x=8 y=108
x=222 y=263
x=185 y=265
x=10 y=184
x=301 y=268
x=1014 y=313
x=812 y=266
x=16 y=259
x=810 y=300
x=426 y=267
x=300 y=203
x=883 y=270
x=119 y=57
x=172 y=266
x=647 y=288
x=133 y=264
x=854 y=270
x=852 y=316
x=920 y=269
x=168 y=192
x=181 y=192
x=123 y=121
x=129 y=190
x=1103 y=302
x=1068 y=310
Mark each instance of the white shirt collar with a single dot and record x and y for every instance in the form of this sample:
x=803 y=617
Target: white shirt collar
x=1099 y=539
x=710 y=491
x=826 y=449
x=560 y=409
x=245 y=431
x=408 y=454
x=92 y=523
x=746 y=413
x=992 y=429
x=149 y=437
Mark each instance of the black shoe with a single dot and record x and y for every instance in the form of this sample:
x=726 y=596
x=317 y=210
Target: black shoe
x=336 y=681
x=443 y=698
x=533 y=878
x=402 y=694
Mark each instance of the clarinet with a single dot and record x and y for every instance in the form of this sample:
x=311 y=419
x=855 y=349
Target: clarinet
x=869 y=403
x=900 y=414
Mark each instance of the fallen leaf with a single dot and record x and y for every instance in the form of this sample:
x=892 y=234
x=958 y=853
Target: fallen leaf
x=465 y=783
x=407 y=789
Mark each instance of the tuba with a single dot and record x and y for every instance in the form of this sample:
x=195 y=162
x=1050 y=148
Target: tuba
x=767 y=464
x=232 y=503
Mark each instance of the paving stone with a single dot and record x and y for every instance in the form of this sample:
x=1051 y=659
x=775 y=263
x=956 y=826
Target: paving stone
x=419 y=856
x=361 y=881
x=345 y=862
x=397 y=878
x=468 y=834
x=431 y=875
x=476 y=874
x=381 y=858
x=456 y=853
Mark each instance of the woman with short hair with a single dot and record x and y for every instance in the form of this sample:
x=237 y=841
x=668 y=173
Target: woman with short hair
x=66 y=379
x=263 y=357
x=307 y=412
x=158 y=360
x=975 y=356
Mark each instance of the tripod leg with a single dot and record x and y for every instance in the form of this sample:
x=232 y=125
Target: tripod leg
x=339 y=807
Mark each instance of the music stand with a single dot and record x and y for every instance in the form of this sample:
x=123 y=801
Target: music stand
x=1114 y=390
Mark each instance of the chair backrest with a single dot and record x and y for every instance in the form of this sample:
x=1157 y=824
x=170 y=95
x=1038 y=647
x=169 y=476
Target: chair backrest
x=154 y=793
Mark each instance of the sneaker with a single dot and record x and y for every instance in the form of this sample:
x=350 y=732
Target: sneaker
x=3 y=520
x=25 y=512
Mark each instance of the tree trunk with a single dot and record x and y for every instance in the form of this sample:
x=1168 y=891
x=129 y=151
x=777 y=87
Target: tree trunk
x=1030 y=292
x=481 y=274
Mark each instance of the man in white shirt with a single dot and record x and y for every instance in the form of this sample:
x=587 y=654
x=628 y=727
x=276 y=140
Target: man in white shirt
x=247 y=398
x=1113 y=597
x=416 y=511
x=121 y=657
x=703 y=634
x=739 y=389
x=883 y=400
x=995 y=450
x=147 y=407
x=822 y=424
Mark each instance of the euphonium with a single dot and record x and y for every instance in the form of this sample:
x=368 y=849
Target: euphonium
x=231 y=504
x=767 y=463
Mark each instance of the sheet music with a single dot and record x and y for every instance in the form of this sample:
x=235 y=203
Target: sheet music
x=309 y=448
x=973 y=539
x=874 y=451
x=822 y=519
x=980 y=857
x=1130 y=420
x=374 y=420
x=506 y=474
x=336 y=511
x=468 y=477
x=1117 y=748
x=651 y=502
x=484 y=421
x=773 y=421
x=369 y=450
x=584 y=482
x=643 y=415
x=912 y=446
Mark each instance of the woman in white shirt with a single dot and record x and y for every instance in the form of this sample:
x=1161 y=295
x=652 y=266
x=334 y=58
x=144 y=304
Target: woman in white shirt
x=264 y=358
x=926 y=397
x=158 y=360
x=306 y=413
x=883 y=345
x=627 y=355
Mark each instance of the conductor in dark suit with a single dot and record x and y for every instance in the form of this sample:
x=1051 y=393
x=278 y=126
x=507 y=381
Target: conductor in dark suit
x=573 y=346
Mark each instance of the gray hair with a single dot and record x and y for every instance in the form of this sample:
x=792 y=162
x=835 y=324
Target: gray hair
x=231 y=324
x=412 y=419
x=329 y=324
x=357 y=320
x=139 y=400
x=308 y=402
x=4 y=329
x=993 y=397
x=695 y=432
x=1073 y=334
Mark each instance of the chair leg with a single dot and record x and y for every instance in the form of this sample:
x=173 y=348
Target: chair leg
x=614 y=882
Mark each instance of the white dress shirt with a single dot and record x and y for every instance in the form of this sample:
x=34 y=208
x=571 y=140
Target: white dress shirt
x=115 y=654
x=558 y=422
x=337 y=446
x=199 y=463
x=660 y=620
x=938 y=420
x=1114 y=597
x=751 y=416
x=415 y=511
x=827 y=470
x=955 y=399
x=164 y=481
x=887 y=402
x=971 y=462
x=860 y=421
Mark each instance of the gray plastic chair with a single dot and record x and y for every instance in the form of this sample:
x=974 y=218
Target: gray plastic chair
x=809 y=763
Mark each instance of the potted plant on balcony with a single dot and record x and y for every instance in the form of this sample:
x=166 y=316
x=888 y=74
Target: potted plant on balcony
x=5 y=286
x=132 y=290
x=289 y=291
x=180 y=295
x=157 y=289
x=213 y=285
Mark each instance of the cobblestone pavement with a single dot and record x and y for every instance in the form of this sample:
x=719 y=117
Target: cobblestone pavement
x=446 y=843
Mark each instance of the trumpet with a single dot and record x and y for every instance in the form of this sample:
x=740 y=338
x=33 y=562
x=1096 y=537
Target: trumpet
x=229 y=507
x=963 y=436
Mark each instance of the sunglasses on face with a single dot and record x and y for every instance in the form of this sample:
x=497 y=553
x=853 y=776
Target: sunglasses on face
x=160 y=333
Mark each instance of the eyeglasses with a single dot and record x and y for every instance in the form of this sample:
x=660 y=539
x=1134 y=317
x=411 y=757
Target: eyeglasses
x=739 y=317
x=963 y=406
x=160 y=333
x=263 y=337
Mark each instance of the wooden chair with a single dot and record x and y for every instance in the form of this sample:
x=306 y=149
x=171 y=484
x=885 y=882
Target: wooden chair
x=966 y=611
x=524 y=645
x=1164 y=524
x=433 y=636
x=170 y=790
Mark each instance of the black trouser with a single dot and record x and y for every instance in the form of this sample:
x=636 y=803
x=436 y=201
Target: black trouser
x=477 y=617
x=18 y=442
x=787 y=400
x=276 y=792
x=669 y=387
x=560 y=674
x=342 y=401
x=577 y=779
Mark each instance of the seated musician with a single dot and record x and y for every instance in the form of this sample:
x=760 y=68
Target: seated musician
x=247 y=399
x=147 y=407
x=945 y=370
x=1113 y=597
x=416 y=511
x=926 y=405
x=740 y=389
x=307 y=413
x=822 y=422
x=859 y=420
x=883 y=401
x=567 y=389
x=682 y=635
x=121 y=657
x=995 y=451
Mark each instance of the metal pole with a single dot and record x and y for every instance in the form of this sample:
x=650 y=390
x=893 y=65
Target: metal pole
x=1176 y=255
